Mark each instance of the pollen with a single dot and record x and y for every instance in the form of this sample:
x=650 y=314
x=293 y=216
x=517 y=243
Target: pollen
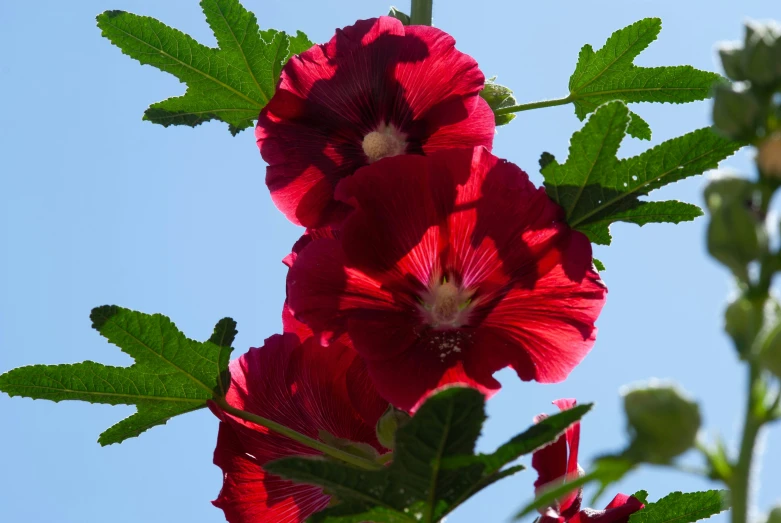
x=384 y=142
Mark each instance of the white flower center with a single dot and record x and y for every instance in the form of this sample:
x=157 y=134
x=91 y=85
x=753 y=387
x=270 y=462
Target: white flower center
x=385 y=141
x=445 y=305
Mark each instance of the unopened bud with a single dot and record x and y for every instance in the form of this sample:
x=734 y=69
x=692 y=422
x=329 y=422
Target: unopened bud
x=742 y=322
x=388 y=424
x=769 y=156
x=760 y=61
x=736 y=232
x=775 y=515
x=662 y=420
x=731 y=54
x=735 y=112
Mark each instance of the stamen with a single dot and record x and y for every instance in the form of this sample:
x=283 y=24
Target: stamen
x=384 y=142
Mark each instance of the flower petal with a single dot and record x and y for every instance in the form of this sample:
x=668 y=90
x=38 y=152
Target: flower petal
x=250 y=495
x=375 y=73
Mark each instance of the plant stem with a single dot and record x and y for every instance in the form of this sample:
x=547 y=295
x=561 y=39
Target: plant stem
x=741 y=476
x=297 y=436
x=421 y=12
x=535 y=105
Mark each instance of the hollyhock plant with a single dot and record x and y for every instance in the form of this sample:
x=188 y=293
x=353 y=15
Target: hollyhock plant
x=559 y=462
x=377 y=89
x=321 y=393
x=451 y=267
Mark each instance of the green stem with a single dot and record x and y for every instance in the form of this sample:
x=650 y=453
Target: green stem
x=421 y=12
x=297 y=436
x=535 y=105
x=741 y=474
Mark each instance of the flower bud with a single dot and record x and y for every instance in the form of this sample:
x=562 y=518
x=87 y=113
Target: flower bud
x=769 y=156
x=760 y=61
x=736 y=114
x=742 y=322
x=736 y=232
x=388 y=424
x=775 y=515
x=731 y=54
x=662 y=420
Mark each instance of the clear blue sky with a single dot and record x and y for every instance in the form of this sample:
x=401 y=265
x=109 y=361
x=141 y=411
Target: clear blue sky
x=99 y=207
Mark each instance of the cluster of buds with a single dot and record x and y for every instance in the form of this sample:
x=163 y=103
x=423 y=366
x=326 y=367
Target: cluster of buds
x=749 y=109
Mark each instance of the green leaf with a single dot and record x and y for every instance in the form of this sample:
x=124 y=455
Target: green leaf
x=595 y=188
x=609 y=74
x=230 y=83
x=171 y=375
x=534 y=437
x=498 y=97
x=434 y=467
x=642 y=496
x=683 y=508
x=598 y=264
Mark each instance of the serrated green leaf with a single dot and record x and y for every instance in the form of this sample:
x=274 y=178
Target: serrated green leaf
x=596 y=188
x=498 y=97
x=641 y=495
x=434 y=468
x=536 y=436
x=171 y=375
x=683 y=508
x=230 y=83
x=598 y=264
x=609 y=74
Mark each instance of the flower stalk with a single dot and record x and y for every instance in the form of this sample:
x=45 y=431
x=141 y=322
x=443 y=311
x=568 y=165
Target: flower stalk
x=298 y=437
x=422 y=12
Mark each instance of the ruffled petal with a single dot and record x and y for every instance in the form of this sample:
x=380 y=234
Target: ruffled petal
x=371 y=75
x=617 y=511
x=250 y=495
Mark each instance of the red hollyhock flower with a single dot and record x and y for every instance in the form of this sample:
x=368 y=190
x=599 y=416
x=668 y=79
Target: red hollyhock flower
x=451 y=267
x=323 y=393
x=376 y=89
x=559 y=462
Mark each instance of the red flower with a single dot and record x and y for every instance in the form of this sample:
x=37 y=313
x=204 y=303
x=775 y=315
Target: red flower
x=307 y=388
x=553 y=464
x=451 y=267
x=376 y=89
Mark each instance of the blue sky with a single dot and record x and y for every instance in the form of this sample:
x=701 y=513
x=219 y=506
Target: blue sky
x=99 y=207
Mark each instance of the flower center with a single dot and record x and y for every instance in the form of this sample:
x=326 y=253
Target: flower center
x=385 y=141
x=445 y=305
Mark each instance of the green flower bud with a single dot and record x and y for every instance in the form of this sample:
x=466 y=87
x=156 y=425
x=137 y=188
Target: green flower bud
x=662 y=420
x=736 y=114
x=731 y=54
x=760 y=61
x=775 y=515
x=736 y=232
x=388 y=424
x=769 y=156
x=741 y=323
x=398 y=15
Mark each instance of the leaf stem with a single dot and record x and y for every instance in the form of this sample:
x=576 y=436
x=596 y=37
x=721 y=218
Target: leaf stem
x=535 y=105
x=421 y=12
x=297 y=436
x=741 y=476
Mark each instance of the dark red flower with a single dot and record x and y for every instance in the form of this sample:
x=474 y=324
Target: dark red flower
x=450 y=267
x=559 y=462
x=323 y=393
x=376 y=89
